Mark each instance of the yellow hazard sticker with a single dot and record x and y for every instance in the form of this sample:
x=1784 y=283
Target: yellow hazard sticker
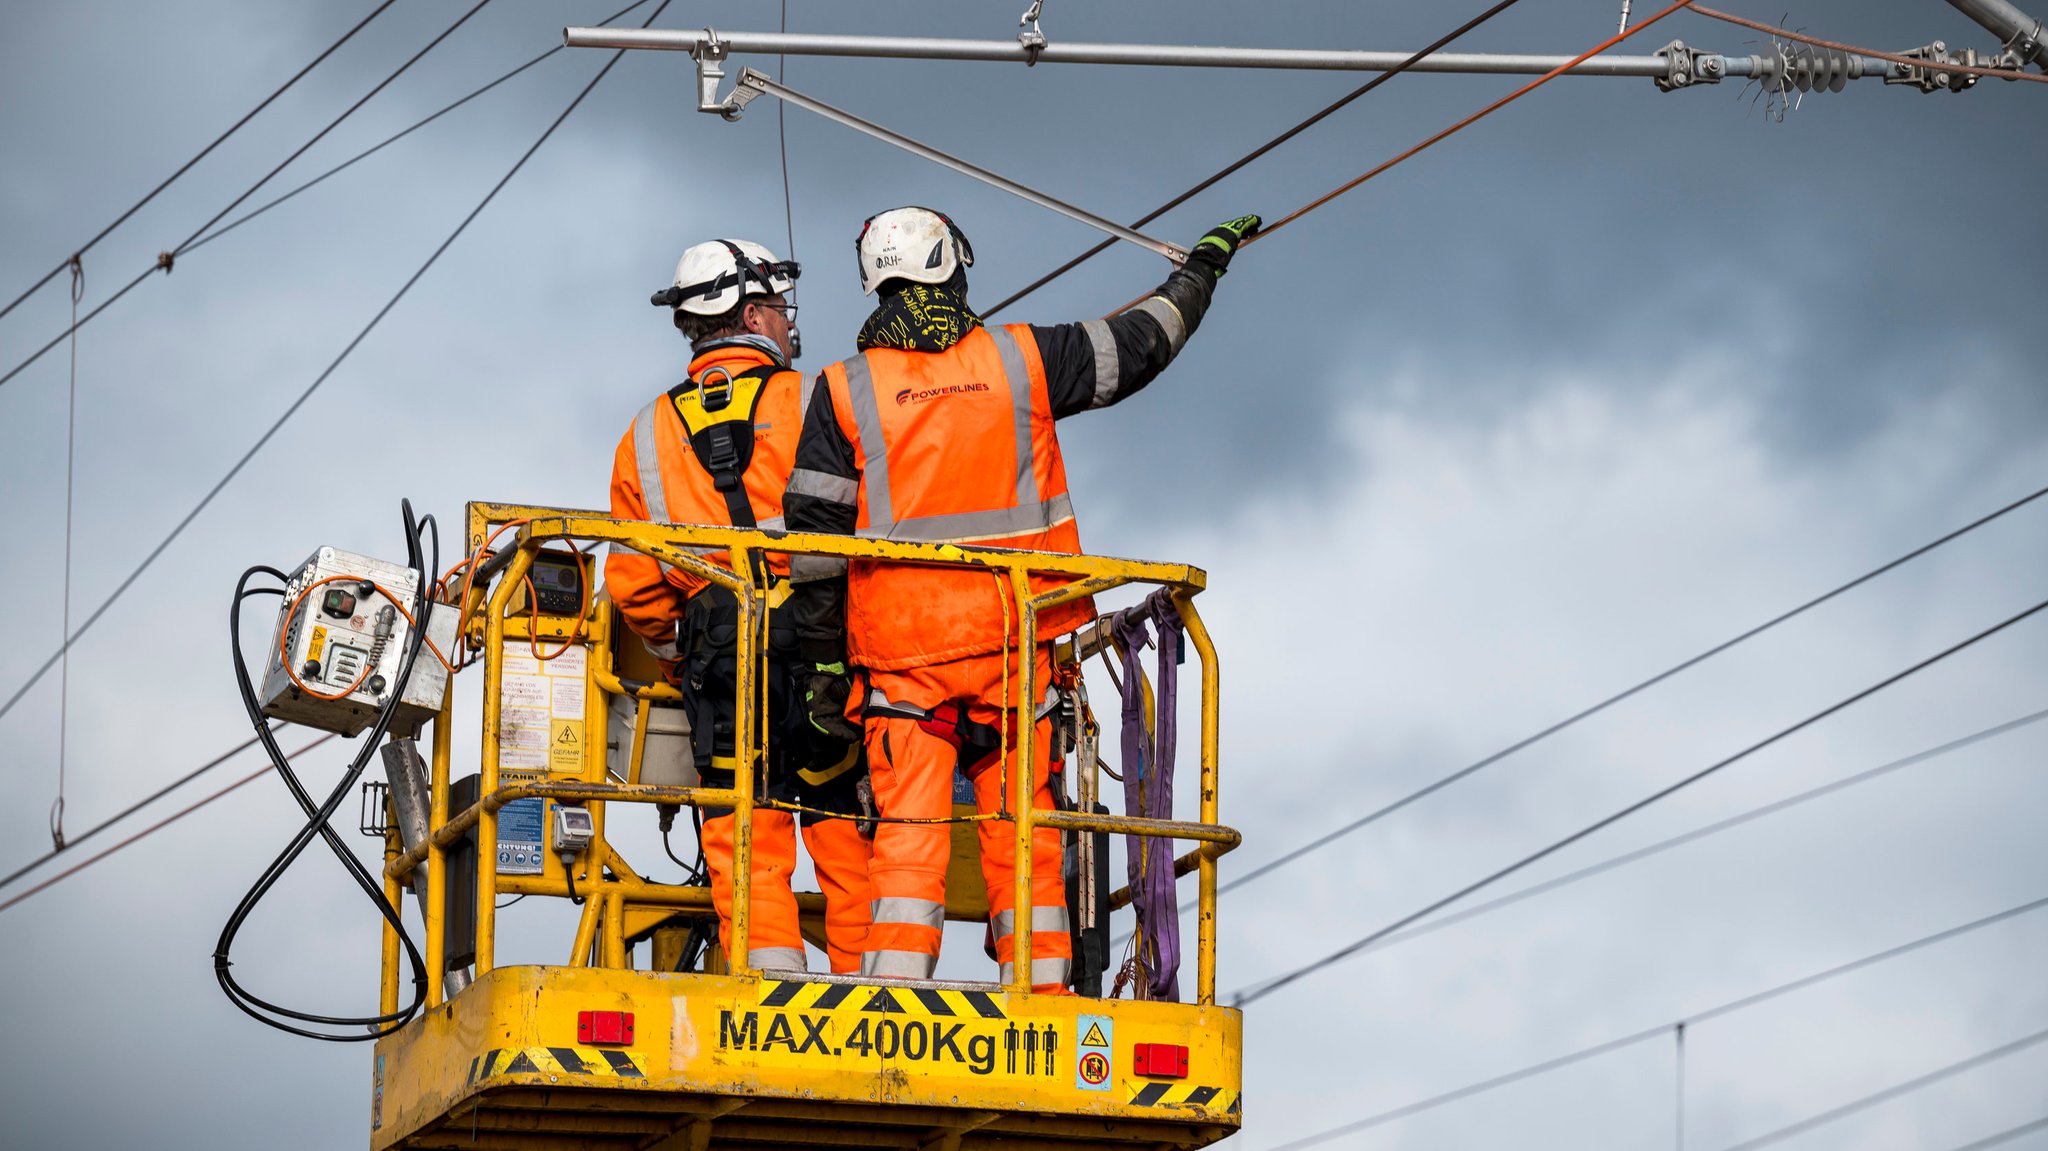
x=565 y=746
x=554 y=1062
x=940 y=1032
x=317 y=644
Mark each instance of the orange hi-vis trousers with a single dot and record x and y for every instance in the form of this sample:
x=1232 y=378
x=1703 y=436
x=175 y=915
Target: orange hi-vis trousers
x=775 y=940
x=911 y=770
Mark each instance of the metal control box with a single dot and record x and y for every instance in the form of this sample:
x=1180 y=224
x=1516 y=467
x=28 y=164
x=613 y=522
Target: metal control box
x=340 y=640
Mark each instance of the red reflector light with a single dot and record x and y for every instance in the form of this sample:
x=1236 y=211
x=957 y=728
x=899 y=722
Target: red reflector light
x=1161 y=1060
x=605 y=1027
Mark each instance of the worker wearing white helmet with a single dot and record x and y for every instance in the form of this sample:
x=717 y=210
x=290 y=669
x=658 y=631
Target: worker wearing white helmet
x=941 y=430
x=717 y=449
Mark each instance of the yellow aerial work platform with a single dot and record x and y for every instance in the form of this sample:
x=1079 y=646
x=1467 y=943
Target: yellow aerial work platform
x=596 y=1053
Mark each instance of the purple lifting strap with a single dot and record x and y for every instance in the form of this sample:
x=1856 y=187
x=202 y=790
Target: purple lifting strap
x=1148 y=787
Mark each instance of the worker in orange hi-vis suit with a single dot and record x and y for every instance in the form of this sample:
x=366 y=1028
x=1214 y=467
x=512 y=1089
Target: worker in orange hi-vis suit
x=717 y=449
x=941 y=429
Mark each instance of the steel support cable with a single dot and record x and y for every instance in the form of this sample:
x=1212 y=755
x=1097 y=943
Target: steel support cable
x=153 y=828
x=1753 y=814
x=1330 y=837
x=1229 y=169
x=1648 y=1033
x=1887 y=57
x=1263 y=989
x=307 y=394
x=1894 y=1091
x=1569 y=878
x=366 y=153
x=203 y=153
x=1467 y=122
x=132 y=808
x=165 y=260
x=2005 y=1136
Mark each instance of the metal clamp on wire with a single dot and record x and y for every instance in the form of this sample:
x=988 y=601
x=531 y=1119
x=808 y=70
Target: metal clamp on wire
x=1688 y=66
x=708 y=54
x=1930 y=77
x=1032 y=39
x=750 y=84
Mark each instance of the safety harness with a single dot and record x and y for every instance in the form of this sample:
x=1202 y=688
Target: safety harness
x=977 y=744
x=717 y=411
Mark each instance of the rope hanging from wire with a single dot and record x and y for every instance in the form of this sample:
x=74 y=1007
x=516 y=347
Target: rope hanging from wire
x=1887 y=57
x=153 y=828
x=167 y=260
x=70 y=485
x=299 y=402
x=1261 y=990
x=72 y=842
x=1331 y=109
x=1330 y=837
x=203 y=153
x=1648 y=1033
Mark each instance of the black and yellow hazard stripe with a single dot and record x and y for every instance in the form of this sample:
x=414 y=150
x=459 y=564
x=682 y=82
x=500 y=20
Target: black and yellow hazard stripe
x=1184 y=1095
x=589 y=1062
x=852 y=998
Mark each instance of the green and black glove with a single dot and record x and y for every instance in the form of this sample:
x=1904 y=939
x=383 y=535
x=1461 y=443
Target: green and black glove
x=825 y=687
x=1214 y=250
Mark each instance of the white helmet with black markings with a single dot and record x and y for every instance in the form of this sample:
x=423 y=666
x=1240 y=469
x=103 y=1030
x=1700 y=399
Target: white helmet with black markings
x=714 y=276
x=910 y=243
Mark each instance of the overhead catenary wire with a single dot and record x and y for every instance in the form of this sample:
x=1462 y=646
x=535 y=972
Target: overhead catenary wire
x=2005 y=1136
x=307 y=394
x=1261 y=990
x=1210 y=181
x=166 y=260
x=73 y=842
x=1887 y=57
x=394 y=138
x=153 y=828
x=1928 y=755
x=1689 y=1021
x=70 y=488
x=1569 y=878
x=1865 y=1103
x=203 y=153
x=1583 y=714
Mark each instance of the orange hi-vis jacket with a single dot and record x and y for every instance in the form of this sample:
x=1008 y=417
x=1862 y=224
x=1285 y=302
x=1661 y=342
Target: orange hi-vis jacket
x=955 y=447
x=655 y=477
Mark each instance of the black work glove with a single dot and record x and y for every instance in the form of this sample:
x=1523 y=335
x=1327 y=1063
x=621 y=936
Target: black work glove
x=825 y=688
x=1214 y=250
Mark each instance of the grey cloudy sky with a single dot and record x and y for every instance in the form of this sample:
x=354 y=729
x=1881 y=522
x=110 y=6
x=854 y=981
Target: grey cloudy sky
x=1592 y=386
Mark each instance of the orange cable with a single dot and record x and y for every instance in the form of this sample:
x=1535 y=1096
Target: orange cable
x=1468 y=121
x=284 y=634
x=1832 y=45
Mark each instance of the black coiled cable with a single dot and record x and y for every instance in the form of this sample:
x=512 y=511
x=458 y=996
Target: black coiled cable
x=426 y=561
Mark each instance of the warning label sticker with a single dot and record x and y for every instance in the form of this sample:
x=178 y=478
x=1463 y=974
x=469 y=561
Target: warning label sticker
x=941 y=1031
x=540 y=725
x=522 y=829
x=1093 y=1066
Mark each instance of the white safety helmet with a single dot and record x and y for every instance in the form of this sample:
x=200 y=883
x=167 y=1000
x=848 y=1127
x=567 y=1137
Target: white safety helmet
x=910 y=244
x=713 y=276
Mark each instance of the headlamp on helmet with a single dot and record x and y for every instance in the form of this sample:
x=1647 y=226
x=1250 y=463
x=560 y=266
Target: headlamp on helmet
x=713 y=277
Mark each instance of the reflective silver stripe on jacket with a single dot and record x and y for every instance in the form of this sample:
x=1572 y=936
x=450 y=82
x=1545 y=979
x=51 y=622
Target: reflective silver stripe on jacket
x=874 y=449
x=823 y=485
x=1108 y=370
x=1043 y=971
x=1030 y=515
x=1019 y=377
x=969 y=527
x=804 y=569
x=899 y=964
x=1160 y=308
x=904 y=909
x=780 y=958
x=649 y=458
x=1043 y=920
